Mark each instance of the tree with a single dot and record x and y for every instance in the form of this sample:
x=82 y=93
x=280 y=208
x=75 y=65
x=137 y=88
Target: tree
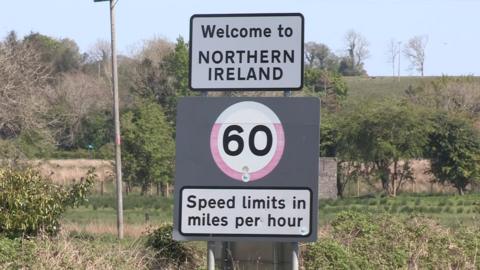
x=330 y=85
x=329 y=129
x=148 y=146
x=393 y=51
x=383 y=137
x=328 y=135
x=414 y=50
x=155 y=49
x=76 y=97
x=318 y=55
x=24 y=89
x=176 y=64
x=454 y=151
x=163 y=82
x=99 y=60
x=63 y=54
x=357 y=52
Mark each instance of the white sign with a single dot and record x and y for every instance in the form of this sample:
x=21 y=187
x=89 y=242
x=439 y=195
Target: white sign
x=284 y=212
x=246 y=52
x=247 y=141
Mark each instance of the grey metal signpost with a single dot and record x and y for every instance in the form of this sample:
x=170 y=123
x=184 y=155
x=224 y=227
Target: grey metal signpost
x=246 y=168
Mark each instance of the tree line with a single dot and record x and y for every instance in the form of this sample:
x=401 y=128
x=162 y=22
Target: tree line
x=377 y=140
x=56 y=103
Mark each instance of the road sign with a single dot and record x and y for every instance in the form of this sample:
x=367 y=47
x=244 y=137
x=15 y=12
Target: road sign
x=246 y=168
x=246 y=52
x=236 y=136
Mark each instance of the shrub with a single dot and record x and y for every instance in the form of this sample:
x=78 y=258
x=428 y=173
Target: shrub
x=30 y=204
x=329 y=254
x=169 y=250
x=366 y=241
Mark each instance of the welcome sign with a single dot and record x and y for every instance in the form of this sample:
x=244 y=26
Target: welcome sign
x=246 y=52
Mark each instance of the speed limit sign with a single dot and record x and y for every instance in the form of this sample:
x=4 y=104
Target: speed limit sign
x=246 y=168
x=247 y=141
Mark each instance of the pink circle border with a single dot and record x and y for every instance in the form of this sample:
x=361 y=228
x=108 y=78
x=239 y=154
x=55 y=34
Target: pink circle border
x=255 y=175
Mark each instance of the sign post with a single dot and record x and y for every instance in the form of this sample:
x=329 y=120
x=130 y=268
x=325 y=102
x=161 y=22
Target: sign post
x=246 y=168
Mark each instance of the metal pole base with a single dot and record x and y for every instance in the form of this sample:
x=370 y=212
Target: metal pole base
x=252 y=255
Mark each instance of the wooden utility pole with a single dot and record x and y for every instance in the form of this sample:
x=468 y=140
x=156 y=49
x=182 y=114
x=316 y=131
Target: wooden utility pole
x=116 y=116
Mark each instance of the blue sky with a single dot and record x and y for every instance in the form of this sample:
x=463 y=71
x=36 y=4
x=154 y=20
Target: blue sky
x=452 y=26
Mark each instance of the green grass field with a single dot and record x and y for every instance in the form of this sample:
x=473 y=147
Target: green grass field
x=101 y=209
x=450 y=210
x=374 y=88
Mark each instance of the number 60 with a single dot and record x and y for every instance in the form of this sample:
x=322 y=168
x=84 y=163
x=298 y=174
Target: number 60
x=228 y=137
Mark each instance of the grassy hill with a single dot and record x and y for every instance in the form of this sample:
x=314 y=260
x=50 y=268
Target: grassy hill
x=380 y=87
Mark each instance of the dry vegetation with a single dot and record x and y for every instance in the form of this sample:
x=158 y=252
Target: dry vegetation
x=97 y=228
x=64 y=171
x=66 y=252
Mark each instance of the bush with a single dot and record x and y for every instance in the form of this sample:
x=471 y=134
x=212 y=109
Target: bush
x=169 y=250
x=328 y=254
x=30 y=204
x=366 y=241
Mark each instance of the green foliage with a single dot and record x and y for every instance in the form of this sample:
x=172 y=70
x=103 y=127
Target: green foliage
x=97 y=130
x=16 y=253
x=329 y=254
x=148 y=146
x=30 y=204
x=318 y=55
x=8 y=249
x=454 y=150
x=9 y=152
x=131 y=202
x=33 y=144
x=381 y=135
x=104 y=152
x=348 y=68
x=366 y=241
x=328 y=135
x=330 y=86
x=453 y=94
x=177 y=253
x=176 y=65
x=164 y=82
x=63 y=55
